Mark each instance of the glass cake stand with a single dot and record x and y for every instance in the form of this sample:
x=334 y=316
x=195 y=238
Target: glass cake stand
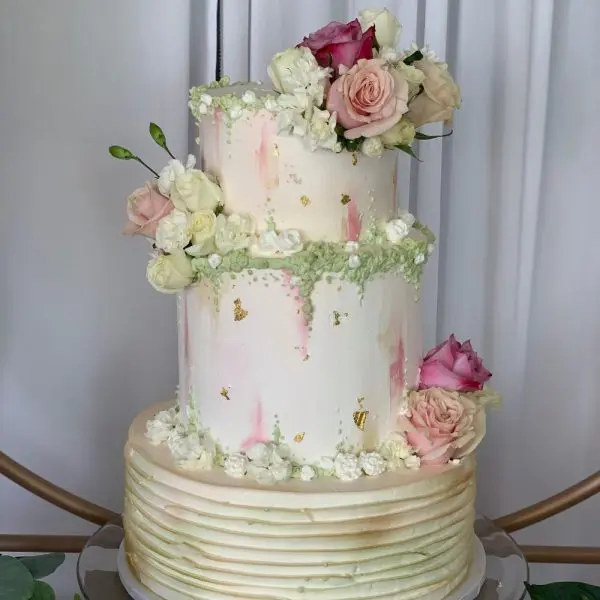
x=506 y=567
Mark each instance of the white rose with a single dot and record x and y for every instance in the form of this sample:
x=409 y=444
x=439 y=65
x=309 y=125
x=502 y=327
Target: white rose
x=260 y=454
x=295 y=71
x=387 y=27
x=194 y=190
x=202 y=226
x=281 y=471
x=170 y=273
x=372 y=463
x=172 y=231
x=307 y=473
x=372 y=146
x=236 y=465
x=440 y=94
x=233 y=232
x=401 y=134
x=346 y=467
x=397 y=229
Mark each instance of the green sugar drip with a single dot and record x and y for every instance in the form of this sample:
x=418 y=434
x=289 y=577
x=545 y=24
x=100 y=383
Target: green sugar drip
x=319 y=260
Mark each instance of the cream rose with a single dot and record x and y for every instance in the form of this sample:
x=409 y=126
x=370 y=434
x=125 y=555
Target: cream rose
x=440 y=95
x=194 y=190
x=170 y=273
x=233 y=232
x=397 y=229
x=202 y=226
x=401 y=134
x=387 y=26
x=372 y=146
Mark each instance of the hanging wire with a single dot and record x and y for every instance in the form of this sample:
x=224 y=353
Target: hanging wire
x=219 y=57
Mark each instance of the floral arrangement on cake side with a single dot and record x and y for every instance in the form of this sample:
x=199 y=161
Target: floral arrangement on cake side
x=345 y=86
x=439 y=422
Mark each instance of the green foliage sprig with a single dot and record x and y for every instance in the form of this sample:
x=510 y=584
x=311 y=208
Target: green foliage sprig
x=564 y=590
x=20 y=576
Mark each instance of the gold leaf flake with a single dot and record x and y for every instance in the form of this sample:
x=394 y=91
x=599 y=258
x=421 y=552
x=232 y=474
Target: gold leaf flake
x=360 y=418
x=299 y=437
x=360 y=400
x=239 y=313
x=346 y=199
x=305 y=200
x=354 y=159
x=337 y=317
x=225 y=393
x=306 y=357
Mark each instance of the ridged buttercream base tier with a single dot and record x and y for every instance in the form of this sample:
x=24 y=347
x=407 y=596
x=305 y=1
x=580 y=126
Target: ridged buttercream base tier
x=405 y=535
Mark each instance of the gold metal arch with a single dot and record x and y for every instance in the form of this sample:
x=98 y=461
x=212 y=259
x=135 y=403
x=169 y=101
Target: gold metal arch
x=93 y=513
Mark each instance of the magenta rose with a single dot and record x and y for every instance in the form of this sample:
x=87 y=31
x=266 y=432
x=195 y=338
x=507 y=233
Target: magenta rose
x=453 y=366
x=442 y=425
x=339 y=44
x=145 y=208
x=369 y=98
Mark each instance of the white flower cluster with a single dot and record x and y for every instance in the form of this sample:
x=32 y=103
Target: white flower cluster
x=397 y=229
x=270 y=243
x=301 y=82
x=190 y=449
x=266 y=463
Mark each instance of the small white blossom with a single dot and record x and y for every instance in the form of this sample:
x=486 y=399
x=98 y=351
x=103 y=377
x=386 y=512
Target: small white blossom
x=261 y=474
x=189 y=452
x=248 y=97
x=173 y=232
x=202 y=109
x=397 y=229
x=206 y=99
x=236 y=465
x=419 y=258
x=160 y=427
x=372 y=463
x=354 y=261
x=168 y=174
x=412 y=462
x=281 y=471
x=321 y=131
x=351 y=247
x=346 y=467
x=233 y=232
x=215 y=260
x=430 y=248
x=327 y=465
x=372 y=146
x=307 y=473
x=260 y=454
x=395 y=450
x=270 y=243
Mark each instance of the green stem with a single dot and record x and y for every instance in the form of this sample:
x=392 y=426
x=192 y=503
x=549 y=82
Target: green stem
x=147 y=166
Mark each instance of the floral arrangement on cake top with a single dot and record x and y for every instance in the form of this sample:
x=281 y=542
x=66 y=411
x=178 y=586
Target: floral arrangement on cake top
x=347 y=87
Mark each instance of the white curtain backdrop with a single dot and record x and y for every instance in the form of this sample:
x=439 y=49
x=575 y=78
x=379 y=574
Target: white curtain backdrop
x=512 y=195
x=513 y=198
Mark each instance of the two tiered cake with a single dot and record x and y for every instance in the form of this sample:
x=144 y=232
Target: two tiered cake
x=313 y=451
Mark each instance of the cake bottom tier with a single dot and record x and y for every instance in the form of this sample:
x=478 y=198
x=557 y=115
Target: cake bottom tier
x=405 y=535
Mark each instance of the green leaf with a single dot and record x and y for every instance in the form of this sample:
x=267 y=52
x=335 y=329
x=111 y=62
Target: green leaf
x=219 y=209
x=414 y=57
x=565 y=590
x=77 y=597
x=16 y=582
x=408 y=151
x=121 y=153
x=424 y=136
x=42 y=591
x=43 y=565
x=353 y=145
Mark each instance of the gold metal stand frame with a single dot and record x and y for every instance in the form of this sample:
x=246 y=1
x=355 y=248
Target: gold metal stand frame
x=96 y=514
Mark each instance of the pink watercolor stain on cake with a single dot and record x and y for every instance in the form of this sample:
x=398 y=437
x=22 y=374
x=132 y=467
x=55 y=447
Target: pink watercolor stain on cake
x=353 y=222
x=302 y=324
x=257 y=433
x=268 y=164
x=396 y=372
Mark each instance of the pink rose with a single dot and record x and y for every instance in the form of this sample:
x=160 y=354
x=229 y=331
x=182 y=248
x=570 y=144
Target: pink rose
x=442 y=425
x=339 y=44
x=145 y=208
x=369 y=99
x=453 y=366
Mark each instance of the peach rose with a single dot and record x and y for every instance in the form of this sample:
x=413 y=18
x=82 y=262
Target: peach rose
x=442 y=425
x=369 y=98
x=440 y=95
x=145 y=208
